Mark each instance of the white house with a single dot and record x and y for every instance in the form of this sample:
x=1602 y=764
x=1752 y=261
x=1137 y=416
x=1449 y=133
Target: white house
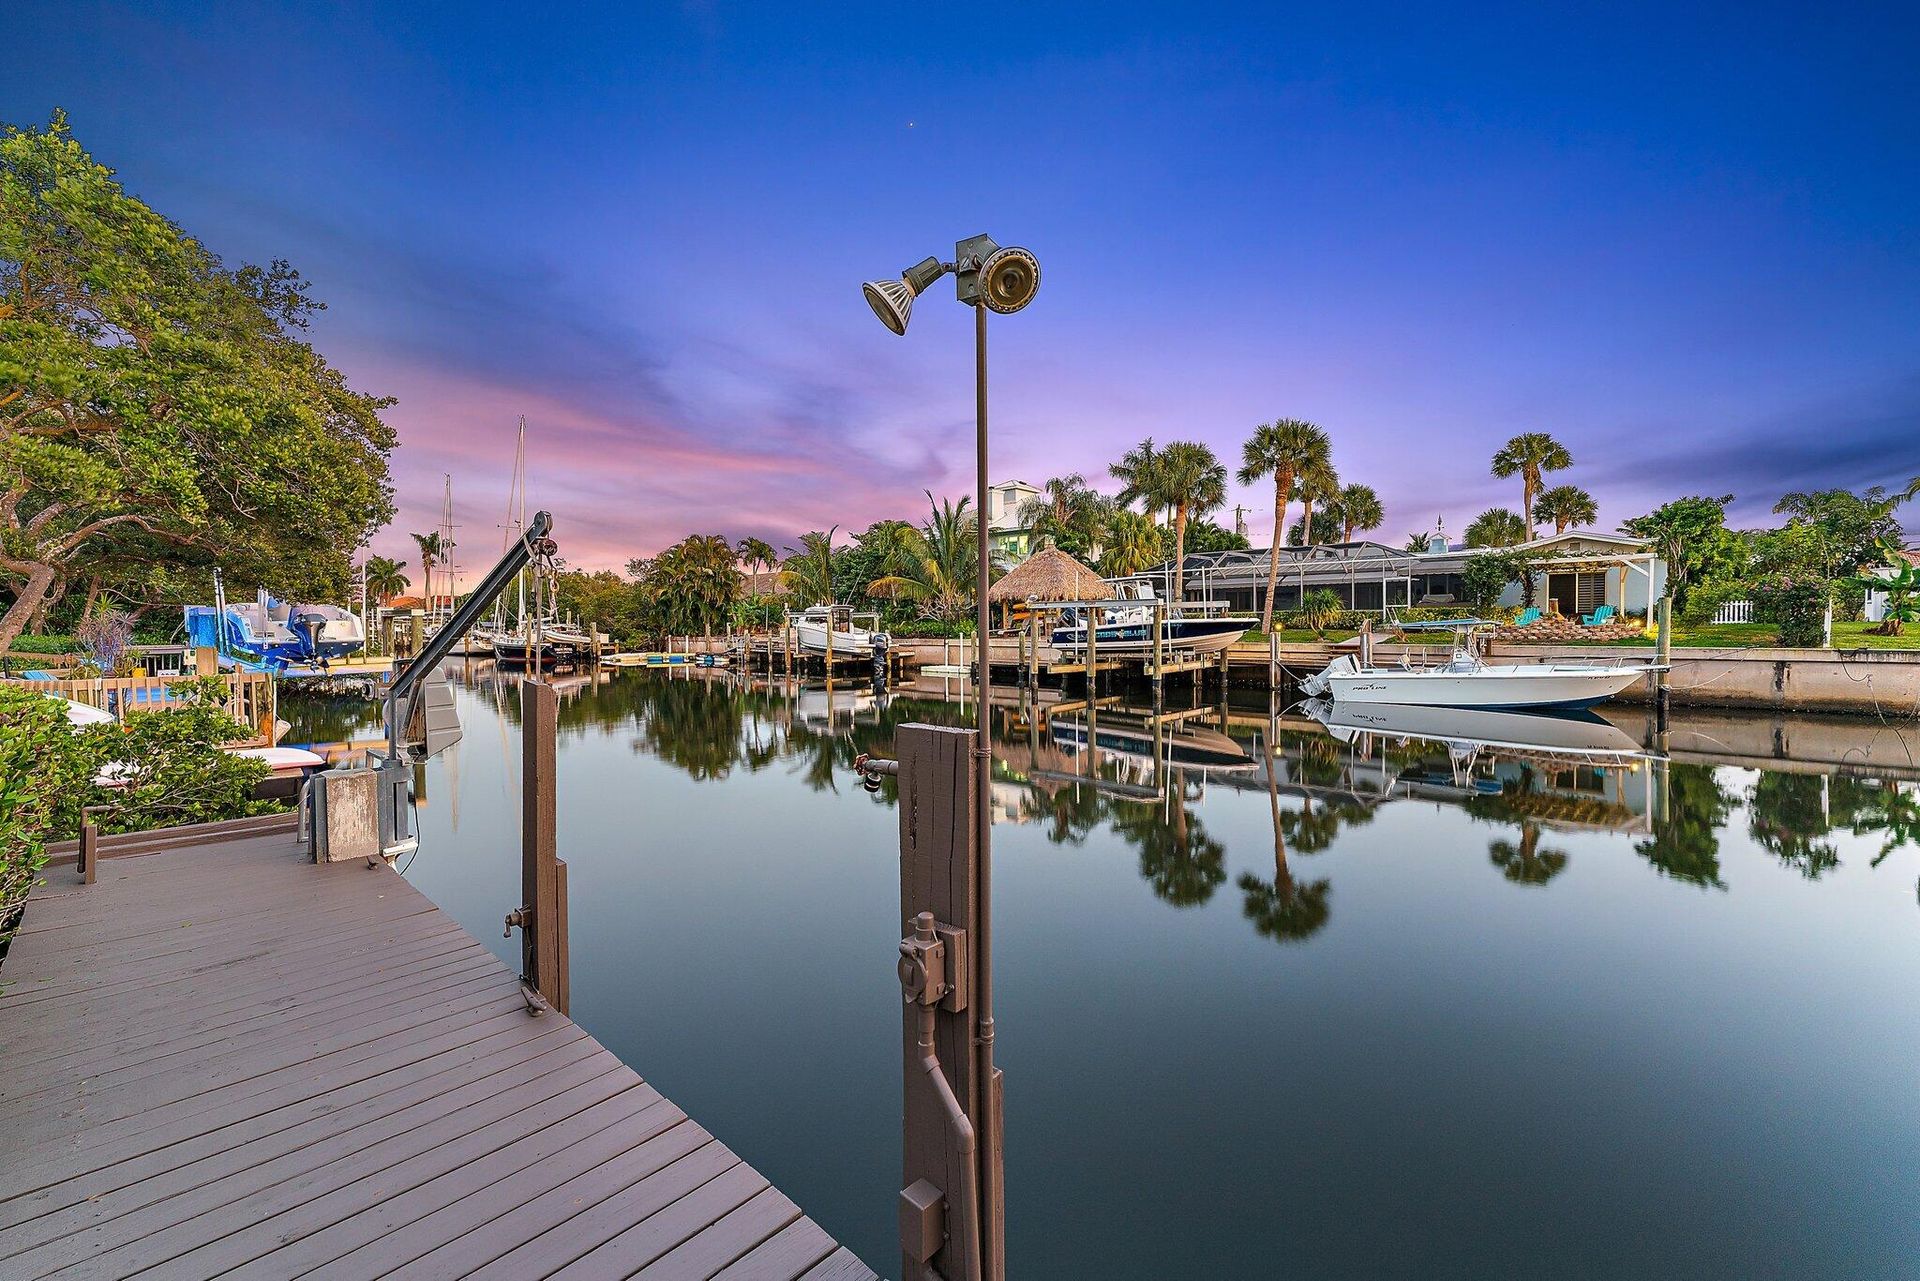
x=1010 y=535
x=1579 y=570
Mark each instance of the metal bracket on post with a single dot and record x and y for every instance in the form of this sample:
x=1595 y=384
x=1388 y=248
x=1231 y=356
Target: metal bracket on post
x=950 y=1208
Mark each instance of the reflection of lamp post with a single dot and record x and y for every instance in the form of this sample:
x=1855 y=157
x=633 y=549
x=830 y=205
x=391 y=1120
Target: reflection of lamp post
x=986 y=278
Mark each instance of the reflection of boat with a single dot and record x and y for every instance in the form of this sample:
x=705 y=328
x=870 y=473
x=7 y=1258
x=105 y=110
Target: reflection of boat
x=812 y=626
x=813 y=707
x=1573 y=733
x=1465 y=681
x=1128 y=629
x=1188 y=748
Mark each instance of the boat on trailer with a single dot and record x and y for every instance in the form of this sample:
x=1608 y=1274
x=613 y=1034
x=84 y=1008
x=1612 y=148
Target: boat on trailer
x=1466 y=680
x=1127 y=628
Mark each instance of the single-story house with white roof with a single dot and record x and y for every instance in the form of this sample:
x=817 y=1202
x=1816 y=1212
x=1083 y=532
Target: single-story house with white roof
x=1579 y=571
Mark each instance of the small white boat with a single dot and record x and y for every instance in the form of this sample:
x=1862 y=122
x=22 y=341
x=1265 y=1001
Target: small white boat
x=1464 y=680
x=811 y=628
x=1128 y=629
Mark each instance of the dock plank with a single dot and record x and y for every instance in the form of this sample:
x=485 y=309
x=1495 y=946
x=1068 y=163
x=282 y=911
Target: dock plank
x=221 y=1059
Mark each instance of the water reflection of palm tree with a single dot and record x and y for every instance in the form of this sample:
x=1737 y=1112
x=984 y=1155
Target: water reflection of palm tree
x=1177 y=857
x=1686 y=838
x=1283 y=909
x=1526 y=863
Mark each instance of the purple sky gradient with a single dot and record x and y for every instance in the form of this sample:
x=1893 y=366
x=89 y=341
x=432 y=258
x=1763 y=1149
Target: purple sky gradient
x=1683 y=242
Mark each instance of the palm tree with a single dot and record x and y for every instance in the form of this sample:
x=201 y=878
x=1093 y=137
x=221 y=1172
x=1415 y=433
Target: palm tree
x=1315 y=484
x=1527 y=456
x=1566 y=505
x=808 y=571
x=756 y=553
x=934 y=566
x=1189 y=481
x=1138 y=471
x=433 y=549
x=1497 y=527
x=385 y=578
x=1359 y=510
x=1281 y=449
x=1068 y=509
x=1134 y=544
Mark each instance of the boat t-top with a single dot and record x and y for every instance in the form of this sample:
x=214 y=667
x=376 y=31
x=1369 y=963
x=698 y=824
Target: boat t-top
x=1465 y=680
x=1126 y=627
x=813 y=625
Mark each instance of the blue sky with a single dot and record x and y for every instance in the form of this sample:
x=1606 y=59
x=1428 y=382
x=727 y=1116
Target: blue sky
x=1682 y=240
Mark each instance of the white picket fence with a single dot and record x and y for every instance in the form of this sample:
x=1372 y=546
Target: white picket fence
x=1734 y=611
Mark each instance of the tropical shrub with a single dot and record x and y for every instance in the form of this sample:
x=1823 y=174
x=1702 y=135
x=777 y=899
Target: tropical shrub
x=1797 y=606
x=1486 y=575
x=1902 y=588
x=34 y=738
x=1319 y=609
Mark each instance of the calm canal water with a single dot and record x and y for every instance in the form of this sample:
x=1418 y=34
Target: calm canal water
x=1300 y=1001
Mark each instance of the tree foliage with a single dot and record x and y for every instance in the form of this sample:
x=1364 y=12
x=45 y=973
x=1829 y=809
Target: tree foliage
x=1566 y=505
x=1496 y=527
x=935 y=566
x=160 y=413
x=1283 y=449
x=1189 y=481
x=1692 y=537
x=1528 y=456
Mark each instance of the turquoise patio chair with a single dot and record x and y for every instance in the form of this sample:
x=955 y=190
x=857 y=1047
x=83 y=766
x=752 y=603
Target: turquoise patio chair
x=1602 y=615
x=1527 y=618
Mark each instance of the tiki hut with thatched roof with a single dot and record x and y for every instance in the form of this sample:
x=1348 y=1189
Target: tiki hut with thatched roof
x=1048 y=575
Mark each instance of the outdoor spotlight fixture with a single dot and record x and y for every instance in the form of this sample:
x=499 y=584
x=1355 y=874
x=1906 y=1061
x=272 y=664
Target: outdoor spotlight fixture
x=984 y=274
x=892 y=300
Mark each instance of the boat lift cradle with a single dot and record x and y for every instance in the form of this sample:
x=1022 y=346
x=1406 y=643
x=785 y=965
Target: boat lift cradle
x=410 y=740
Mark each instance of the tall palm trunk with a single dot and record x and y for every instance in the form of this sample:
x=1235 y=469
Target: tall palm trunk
x=1529 y=486
x=1180 y=551
x=1306 y=520
x=1282 y=496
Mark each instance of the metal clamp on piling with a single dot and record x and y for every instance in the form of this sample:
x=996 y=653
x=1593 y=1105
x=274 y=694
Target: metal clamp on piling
x=873 y=768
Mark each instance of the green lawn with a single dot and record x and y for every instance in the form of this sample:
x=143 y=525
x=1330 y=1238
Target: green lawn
x=1762 y=635
x=1725 y=636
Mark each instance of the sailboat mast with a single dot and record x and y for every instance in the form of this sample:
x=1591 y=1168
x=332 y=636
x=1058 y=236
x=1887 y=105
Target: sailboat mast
x=520 y=520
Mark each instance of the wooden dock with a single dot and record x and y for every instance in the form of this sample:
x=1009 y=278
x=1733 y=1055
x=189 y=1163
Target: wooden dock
x=221 y=1059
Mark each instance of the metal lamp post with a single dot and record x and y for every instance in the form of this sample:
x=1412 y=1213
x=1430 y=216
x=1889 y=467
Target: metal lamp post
x=987 y=277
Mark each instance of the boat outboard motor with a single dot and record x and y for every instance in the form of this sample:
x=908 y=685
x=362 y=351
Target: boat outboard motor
x=880 y=641
x=306 y=628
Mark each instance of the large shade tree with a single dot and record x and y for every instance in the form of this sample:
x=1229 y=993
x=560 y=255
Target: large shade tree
x=1528 y=456
x=1283 y=449
x=160 y=412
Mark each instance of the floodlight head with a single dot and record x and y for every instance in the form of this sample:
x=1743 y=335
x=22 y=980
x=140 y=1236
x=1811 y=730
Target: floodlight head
x=1009 y=278
x=892 y=300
